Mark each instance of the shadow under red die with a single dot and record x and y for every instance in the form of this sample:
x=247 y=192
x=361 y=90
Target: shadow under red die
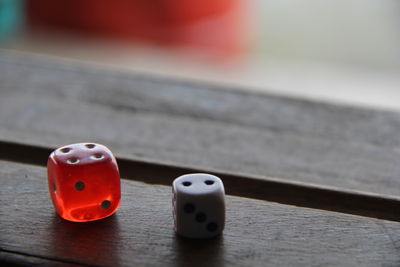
x=84 y=182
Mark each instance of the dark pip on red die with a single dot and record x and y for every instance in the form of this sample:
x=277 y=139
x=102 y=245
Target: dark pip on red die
x=84 y=182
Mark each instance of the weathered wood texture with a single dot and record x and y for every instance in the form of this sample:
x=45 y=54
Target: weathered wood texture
x=52 y=103
x=257 y=233
x=265 y=188
x=15 y=258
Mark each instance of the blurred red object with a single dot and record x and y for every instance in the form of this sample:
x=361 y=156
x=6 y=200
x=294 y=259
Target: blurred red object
x=217 y=26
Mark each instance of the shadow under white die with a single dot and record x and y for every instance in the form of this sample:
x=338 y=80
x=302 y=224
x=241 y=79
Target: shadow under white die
x=198 y=205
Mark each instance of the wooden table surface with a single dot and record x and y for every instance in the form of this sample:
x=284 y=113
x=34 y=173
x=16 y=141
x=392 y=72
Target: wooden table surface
x=308 y=184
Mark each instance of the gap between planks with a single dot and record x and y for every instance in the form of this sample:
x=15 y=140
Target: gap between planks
x=268 y=189
x=17 y=258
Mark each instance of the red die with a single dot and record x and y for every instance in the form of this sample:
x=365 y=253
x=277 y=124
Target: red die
x=84 y=182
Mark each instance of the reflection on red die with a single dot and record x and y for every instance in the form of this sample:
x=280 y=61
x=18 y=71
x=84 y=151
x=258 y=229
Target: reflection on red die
x=84 y=182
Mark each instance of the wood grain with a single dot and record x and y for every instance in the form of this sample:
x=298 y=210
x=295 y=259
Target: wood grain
x=53 y=102
x=263 y=188
x=15 y=258
x=257 y=233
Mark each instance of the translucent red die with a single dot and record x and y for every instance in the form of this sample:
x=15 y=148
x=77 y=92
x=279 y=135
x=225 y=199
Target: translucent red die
x=84 y=182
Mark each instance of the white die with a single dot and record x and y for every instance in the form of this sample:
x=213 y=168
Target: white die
x=199 y=205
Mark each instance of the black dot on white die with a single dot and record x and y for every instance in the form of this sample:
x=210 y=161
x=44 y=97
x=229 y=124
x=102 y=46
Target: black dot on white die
x=106 y=204
x=212 y=227
x=79 y=186
x=90 y=146
x=209 y=182
x=189 y=208
x=200 y=217
x=187 y=183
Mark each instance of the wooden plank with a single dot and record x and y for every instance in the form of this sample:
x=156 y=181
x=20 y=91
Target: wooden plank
x=200 y=144
x=160 y=120
x=132 y=91
x=14 y=258
x=263 y=188
x=257 y=233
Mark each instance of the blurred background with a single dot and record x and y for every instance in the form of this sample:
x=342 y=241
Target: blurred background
x=335 y=51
